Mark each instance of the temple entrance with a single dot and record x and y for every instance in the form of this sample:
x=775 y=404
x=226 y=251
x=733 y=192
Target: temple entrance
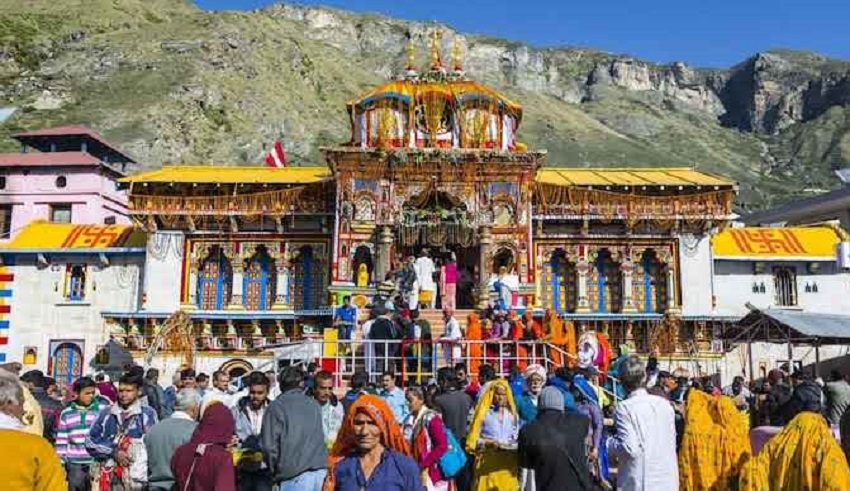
x=439 y=222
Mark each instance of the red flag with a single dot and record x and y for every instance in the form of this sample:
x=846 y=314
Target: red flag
x=276 y=157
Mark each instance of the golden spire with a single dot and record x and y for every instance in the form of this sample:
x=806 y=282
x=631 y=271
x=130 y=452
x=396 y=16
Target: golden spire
x=411 y=55
x=457 y=62
x=436 y=48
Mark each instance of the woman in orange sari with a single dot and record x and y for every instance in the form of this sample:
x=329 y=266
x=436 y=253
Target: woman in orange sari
x=562 y=337
x=372 y=411
x=517 y=335
x=474 y=334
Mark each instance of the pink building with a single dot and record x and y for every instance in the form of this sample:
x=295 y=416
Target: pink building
x=63 y=175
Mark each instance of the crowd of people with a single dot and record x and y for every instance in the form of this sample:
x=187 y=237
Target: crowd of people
x=536 y=430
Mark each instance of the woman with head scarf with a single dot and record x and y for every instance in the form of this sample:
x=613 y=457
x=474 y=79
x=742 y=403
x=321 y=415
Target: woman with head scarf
x=205 y=462
x=714 y=445
x=492 y=439
x=535 y=379
x=426 y=434
x=804 y=455
x=370 y=453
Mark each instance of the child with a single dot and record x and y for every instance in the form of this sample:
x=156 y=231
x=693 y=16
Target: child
x=71 y=430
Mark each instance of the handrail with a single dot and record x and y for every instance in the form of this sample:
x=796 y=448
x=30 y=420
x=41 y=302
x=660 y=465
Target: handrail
x=405 y=357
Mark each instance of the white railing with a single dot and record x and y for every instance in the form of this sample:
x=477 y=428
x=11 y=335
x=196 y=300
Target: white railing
x=418 y=361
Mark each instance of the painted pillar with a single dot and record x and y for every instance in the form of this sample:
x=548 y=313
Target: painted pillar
x=485 y=239
x=383 y=261
x=672 y=306
x=236 y=292
x=191 y=301
x=627 y=267
x=583 y=266
x=281 y=297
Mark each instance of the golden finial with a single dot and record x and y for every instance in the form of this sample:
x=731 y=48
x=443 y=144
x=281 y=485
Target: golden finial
x=411 y=55
x=457 y=62
x=436 y=48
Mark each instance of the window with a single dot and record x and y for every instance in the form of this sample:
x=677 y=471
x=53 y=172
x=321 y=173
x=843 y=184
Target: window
x=5 y=221
x=110 y=220
x=2 y=182
x=75 y=284
x=60 y=213
x=785 y=283
x=61 y=182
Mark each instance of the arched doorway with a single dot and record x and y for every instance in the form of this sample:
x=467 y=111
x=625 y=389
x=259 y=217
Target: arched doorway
x=503 y=258
x=66 y=363
x=215 y=280
x=605 y=285
x=260 y=281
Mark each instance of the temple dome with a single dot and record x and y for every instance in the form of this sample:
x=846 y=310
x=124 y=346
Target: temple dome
x=437 y=109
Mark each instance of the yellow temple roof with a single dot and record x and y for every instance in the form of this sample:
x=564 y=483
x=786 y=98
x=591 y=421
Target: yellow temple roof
x=209 y=174
x=805 y=243
x=45 y=235
x=661 y=176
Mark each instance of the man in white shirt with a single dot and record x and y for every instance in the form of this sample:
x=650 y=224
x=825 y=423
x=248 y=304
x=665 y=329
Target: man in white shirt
x=451 y=338
x=425 y=270
x=645 y=439
x=220 y=392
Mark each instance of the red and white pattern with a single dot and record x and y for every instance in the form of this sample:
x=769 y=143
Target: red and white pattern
x=276 y=157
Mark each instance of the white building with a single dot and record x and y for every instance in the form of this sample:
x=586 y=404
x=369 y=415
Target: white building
x=57 y=279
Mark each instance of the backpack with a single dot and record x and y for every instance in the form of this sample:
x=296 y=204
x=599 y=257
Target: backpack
x=454 y=460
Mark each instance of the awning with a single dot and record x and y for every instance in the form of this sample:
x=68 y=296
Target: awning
x=208 y=174
x=790 y=326
x=41 y=236
x=636 y=177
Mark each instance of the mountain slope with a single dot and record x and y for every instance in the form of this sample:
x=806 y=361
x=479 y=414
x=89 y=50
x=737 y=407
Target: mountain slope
x=171 y=83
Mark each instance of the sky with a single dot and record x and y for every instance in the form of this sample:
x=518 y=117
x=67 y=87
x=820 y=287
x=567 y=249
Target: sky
x=703 y=33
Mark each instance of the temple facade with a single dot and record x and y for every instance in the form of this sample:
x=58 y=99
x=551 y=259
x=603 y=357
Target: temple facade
x=233 y=260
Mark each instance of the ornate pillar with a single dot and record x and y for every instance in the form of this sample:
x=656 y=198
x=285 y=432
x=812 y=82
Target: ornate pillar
x=583 y=269
x=383 y=261
x=485 y=240
x=672 y=305
x=191 y=300
x=627 y=268
x=666 y=258
x=281 y=295
x=236 y=292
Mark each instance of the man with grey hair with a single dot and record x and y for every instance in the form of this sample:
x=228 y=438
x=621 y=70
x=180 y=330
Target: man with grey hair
x=29 y=461
x=645 y=438
x=165 y=436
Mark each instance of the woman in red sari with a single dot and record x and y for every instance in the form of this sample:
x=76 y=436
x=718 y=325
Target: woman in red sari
x=425 y=432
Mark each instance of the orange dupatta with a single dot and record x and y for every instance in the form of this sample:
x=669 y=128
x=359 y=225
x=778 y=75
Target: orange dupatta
x=391 y=435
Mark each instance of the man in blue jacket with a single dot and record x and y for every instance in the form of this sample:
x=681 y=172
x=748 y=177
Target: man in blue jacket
x=115 y=438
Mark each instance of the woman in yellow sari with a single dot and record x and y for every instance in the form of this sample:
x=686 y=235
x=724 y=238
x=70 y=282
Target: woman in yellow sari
x=492 y=439
x=803 y=456
x=715 y=444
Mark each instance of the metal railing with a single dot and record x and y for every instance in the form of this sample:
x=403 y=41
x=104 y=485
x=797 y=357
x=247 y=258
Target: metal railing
x=418 y=361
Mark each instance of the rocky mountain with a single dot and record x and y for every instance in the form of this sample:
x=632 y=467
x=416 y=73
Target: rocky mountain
x=171 y=83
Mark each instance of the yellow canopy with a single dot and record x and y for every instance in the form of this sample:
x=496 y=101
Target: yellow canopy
x=670 y=176
x=44 y=235
x=203 y=174
x=775 y=243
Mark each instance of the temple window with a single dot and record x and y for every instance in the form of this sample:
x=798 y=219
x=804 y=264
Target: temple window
x=60 y=213
x=308 y=282
x=75 y=282
x=604 y=288
x=5 y=221
x=651 y=284
x=259 y=281
x=562 y=283
x=215 y=281
x=785 y=283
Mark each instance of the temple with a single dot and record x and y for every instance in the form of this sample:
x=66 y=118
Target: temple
x=233 y=259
